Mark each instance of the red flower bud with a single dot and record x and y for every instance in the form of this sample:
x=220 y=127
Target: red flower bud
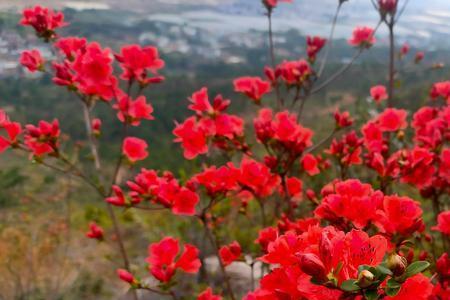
x=311 y=264
x=126 y=276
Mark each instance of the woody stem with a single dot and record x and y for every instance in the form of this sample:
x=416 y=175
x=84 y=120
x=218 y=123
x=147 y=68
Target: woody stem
x=213 y=241
x=112 y=215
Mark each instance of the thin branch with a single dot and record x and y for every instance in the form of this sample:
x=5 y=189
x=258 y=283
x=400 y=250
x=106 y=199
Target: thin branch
x=272 y=58
x=401 y=11
x=90 y=136
x=391 y=63
x=330 y=40
x=214 y=244
x=112 y=215
x=322 y=142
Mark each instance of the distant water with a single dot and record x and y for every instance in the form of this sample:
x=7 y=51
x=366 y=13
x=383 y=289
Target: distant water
x=423 y=20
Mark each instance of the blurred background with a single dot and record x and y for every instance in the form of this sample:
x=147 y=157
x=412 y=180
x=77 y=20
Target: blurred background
x=43 y=216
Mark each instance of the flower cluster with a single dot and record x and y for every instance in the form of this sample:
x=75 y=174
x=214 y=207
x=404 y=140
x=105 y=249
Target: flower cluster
x=341 y=218
x=210 y=123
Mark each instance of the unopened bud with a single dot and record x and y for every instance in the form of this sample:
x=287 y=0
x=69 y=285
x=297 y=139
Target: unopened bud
x=397 y=264
x=311 y=264
x=126 y=276
x=365 y=278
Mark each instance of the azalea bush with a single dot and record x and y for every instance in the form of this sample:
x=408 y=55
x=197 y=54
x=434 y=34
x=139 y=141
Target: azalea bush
x=337 y=218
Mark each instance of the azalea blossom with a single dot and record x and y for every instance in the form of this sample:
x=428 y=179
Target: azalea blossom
x=252 y=87
x=32 y=60
x=443 y=223
x=363 y=37
x=134 y=149
x=163 y=262
x=230 y=253
x=140 y=63
x=95 y=232
x=313 y=46
x=44 y=21
x=208 y=295
x=42 y=139
x=378 y=93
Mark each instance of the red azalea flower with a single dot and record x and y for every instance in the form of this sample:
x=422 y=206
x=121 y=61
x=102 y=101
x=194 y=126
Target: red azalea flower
x=363 y=37
x=93 y=71
x=441 y=89
x=163 y=261
x=208 y=295
x=364 y=250
x=218 y=180
x=71 y=46
x=13 y=129
x=294 y=72
x=294 y=187
x=417 y=166
x=342 y=119
x=44 y=21
x=253 y=87
x=202 y=106
x=443 y=265
x=417 y=287
x=184 y=202
x=136 y=61
x=443 y=223
x=43 y=139
x=32 y=60
x=352 y=200
x=347 y=150
x=444 y=164
x=266 y=236
x=310 y=164
x=118 y=199
x=373 y=137
x=95 y=232
x=192 y=138
x=399 y=215
x=64 y=75
x=257 y=177
x=230 y=253
x=313 y=46
x=392 y=119
x=133 y=111
x=378 y=93
x=134 y=149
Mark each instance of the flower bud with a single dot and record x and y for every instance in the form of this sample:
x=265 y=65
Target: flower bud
x=126 y=276
x=365 y=278
x=419 y=57
x=311 y=264
x=388 y=6
x=397 y=264
x=443 y=266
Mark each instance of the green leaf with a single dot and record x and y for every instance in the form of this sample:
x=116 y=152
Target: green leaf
x=392 y=283
x=384 y=270
x=350 y=286
x=416 y=267
x=371 y=294
x=392 y=291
